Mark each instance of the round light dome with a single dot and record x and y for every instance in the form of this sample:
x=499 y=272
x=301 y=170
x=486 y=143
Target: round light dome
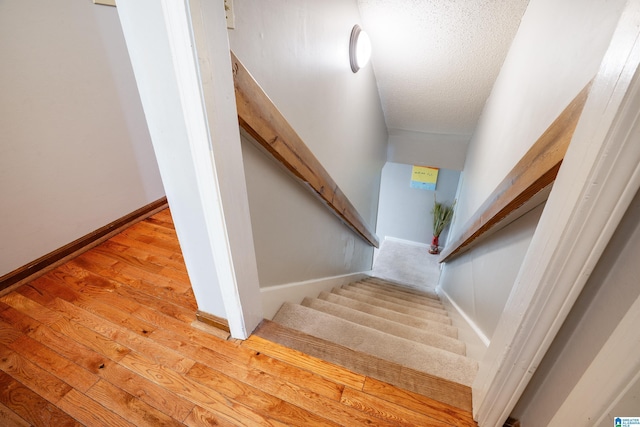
x=359 y=48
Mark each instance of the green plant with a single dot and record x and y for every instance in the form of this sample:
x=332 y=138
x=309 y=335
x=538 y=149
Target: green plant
x=442 y=216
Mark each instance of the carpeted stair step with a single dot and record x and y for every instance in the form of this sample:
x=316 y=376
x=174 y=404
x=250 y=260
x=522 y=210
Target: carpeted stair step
x=434 y=307
x=399 y=294
x=448 y=392
x=420 y=313
x=395 y=286
x=427 y=359
x=387 y=326
x=405 y=319
x=404 y=289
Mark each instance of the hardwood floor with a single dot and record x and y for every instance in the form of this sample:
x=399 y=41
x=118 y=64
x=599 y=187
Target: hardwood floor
x=107 y=340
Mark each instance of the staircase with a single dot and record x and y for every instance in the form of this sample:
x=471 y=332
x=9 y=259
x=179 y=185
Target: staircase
x=383 y=330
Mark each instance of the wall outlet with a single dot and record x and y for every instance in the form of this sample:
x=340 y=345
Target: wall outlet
x=228 y=10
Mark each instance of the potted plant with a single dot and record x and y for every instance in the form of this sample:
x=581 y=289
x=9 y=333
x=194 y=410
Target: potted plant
x=442 y=216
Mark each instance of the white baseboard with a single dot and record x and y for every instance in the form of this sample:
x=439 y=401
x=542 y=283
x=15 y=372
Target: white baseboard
x=274 y=296
x=474 y=327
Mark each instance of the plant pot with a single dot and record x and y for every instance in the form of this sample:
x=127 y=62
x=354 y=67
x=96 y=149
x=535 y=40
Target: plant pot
x=434 y=248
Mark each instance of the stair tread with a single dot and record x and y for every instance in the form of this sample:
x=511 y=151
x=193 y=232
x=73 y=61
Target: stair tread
x=431 y=386
x=388 y=326
x=399 y=294
x=393 y=306
x=436 y=307
x=395 y=316
x=424 y=358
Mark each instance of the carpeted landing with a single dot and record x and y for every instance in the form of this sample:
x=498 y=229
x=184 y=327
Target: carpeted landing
x=384 y=330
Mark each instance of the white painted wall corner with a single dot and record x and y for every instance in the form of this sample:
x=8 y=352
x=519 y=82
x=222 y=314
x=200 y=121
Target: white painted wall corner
x=474 y=327
x=274 y=296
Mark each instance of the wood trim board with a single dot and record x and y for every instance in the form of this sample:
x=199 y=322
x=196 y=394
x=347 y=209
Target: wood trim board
x=105 y=2
x=529 y=178
x=46 y=262
x=261 y=119
x=212 y=320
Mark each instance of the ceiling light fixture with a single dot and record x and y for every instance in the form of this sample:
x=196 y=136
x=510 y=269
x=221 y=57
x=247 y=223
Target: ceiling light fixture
x=359 y=48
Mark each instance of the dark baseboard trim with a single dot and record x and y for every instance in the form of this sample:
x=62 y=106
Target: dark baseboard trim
x=211 y=320
x=53 y=259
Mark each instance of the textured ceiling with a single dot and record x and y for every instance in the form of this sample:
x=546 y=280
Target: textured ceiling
x=436 y=60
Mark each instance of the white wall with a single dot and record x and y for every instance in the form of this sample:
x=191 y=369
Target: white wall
x=555 y=53
x=608 y=294
x=75 y=151
x=420 y=148
x=479 y=282
x=298 y=53
x=405 y=212
x=627 y=406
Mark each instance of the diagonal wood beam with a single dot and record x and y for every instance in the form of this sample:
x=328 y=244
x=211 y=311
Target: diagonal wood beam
x=261 y=119
x=520 y=190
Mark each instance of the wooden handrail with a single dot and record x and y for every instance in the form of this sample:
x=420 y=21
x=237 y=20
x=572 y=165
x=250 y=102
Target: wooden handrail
x=520 y=190
x=263 y=121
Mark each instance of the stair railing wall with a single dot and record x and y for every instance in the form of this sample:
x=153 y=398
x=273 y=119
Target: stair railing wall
x=261 y=119
x=525 y=186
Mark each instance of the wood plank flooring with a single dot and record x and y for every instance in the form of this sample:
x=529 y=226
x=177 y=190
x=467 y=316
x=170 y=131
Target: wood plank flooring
x=107 y=340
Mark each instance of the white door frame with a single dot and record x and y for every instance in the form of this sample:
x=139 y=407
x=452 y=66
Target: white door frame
x=241 y=289
x=179 y=50
x=596 y=183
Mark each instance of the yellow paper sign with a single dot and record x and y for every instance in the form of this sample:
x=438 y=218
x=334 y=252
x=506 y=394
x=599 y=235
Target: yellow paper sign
x=424 y=177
